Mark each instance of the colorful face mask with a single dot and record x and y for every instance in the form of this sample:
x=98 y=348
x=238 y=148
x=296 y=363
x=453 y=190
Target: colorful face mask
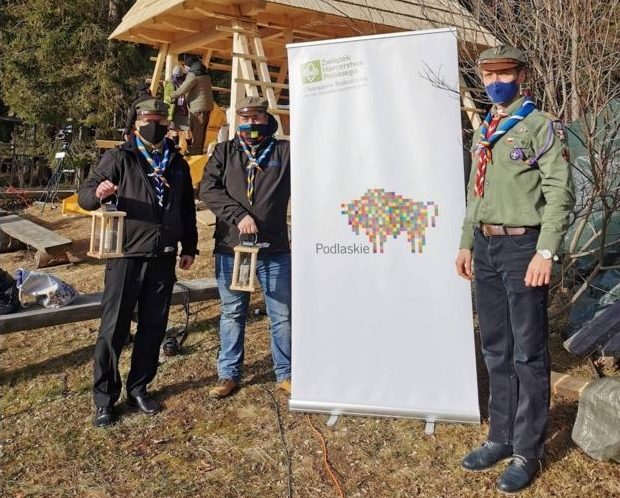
x=253 y=133
x=153 y=132
x=500 y=92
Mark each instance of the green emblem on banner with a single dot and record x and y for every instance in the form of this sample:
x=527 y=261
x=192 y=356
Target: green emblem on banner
x=311 y=72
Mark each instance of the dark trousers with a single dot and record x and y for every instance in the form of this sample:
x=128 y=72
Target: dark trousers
x=147 y=282
x=513 y=332
x=198 y=122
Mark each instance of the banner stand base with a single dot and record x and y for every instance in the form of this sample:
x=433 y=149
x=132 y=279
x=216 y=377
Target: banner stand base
x=331 y=421
x=429 y=429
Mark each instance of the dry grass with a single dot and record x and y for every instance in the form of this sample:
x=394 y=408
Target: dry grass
x=230 y=448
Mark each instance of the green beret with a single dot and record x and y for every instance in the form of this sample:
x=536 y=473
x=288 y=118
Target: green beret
x=152 y=106
x=502 y=57
x=255 y=103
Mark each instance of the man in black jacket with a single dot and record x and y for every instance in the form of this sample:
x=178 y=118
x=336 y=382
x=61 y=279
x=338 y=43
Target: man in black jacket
x=151 y=182
x=246 y=184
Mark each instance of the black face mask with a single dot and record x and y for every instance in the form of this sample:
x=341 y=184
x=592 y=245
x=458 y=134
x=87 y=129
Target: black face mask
x=153 y=132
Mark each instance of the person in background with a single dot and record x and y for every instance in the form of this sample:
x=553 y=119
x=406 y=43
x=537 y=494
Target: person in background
x=520 y=196
x=198 y=93
x=150 y=181
x=247 y=184
x=178 y=115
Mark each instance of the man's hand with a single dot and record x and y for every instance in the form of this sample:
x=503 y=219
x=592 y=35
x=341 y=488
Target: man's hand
x=538 y=271
x=247 y=225
x=186 y=262
x=463 y=264
x=105 y=189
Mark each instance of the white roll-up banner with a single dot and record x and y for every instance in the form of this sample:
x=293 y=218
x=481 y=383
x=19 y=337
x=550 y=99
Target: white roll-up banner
x=382 y=325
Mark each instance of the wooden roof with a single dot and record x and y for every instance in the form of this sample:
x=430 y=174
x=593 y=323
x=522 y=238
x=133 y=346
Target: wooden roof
x=198 y=25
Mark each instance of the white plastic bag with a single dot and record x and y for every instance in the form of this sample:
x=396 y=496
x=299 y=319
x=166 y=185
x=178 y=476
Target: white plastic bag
x=48 y=290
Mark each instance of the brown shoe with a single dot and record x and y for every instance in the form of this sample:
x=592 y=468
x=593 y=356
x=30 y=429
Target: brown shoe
x=285 y=386
x=224 y=387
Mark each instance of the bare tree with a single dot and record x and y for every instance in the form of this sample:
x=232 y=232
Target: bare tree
x=573 y=48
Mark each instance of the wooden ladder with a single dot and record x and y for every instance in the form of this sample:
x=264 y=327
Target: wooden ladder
x=248 y=52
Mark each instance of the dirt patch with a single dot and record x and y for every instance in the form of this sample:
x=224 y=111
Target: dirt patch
x=198 y=447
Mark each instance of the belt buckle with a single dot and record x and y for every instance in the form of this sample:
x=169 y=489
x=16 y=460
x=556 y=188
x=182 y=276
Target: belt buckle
x=485 y=232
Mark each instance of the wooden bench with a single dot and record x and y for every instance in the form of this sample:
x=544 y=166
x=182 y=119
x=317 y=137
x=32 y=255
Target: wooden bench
x=88 y=307
x=51 y=247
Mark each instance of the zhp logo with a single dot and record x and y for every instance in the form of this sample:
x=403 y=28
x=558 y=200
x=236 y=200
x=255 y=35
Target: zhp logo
x=311 y=72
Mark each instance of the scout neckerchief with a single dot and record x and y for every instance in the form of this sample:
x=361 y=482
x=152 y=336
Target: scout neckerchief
x=158 y=164
x=490 y=133
x=255 y=163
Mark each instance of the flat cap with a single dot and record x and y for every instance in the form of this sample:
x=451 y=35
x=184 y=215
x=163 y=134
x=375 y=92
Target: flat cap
x=502 y=57
x=152 y=106
x=252 y=103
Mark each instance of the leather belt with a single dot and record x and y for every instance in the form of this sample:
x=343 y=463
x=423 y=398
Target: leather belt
x=490 y=230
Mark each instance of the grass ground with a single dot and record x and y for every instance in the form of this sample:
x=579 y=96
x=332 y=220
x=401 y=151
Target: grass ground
x=197 y=447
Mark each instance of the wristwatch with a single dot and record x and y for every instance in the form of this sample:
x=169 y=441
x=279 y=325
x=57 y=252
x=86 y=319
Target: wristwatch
x=547 y=254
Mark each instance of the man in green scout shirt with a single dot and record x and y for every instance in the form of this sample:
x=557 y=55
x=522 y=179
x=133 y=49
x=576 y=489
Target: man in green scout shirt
x=520 y=195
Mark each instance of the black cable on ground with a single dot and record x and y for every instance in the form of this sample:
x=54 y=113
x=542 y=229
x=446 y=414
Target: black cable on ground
x=281 y=429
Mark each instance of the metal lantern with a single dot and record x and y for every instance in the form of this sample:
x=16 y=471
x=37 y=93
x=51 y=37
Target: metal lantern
x=106 y=233
x=244 y=266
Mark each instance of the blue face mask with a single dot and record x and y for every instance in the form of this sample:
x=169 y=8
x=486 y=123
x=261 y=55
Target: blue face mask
x=500 y=92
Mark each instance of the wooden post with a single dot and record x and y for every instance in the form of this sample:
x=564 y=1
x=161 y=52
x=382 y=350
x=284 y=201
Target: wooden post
x=469 y=104
x=159 y=66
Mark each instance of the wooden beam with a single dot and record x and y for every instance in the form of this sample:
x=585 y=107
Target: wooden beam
x=206 y=57
x=159 y=66
x=88 y=307
x=152 y=35
x=108 y=144
x=245 y=64
x=565 y=385
x=265 y=84
x=197 y=40
x=178 y=23
x=250 y=8
x=216 y=11
x=283 y=72
x=248 y=56
x=469 y=104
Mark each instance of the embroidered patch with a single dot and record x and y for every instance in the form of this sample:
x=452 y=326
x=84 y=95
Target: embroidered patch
x=169 y=249
x=558 y=128
x=517 y=154
x=510 y=140
x=566 y=154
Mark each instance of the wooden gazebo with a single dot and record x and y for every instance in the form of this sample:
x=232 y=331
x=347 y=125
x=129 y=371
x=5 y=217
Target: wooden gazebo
x=248 y=37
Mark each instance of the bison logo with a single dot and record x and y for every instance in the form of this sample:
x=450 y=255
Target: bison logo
x=381 y=214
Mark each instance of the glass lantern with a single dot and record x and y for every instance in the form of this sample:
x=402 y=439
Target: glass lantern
x=106 y=233
x=244 y=267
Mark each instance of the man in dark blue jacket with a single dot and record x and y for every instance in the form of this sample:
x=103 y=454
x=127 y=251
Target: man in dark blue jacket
x=151 y=182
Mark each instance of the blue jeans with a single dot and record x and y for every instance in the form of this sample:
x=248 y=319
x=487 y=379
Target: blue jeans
x=274 y=274
x=513 y=333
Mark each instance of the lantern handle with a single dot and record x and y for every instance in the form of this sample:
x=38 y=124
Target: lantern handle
x=109 y=206
x=248 y=242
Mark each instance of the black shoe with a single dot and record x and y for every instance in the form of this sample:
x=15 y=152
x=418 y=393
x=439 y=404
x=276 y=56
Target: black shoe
x=104 y=416
x=519 y=474
x=144 y=403
x=487 y=456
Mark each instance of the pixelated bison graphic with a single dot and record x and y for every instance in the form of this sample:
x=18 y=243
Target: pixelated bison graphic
x=381 y=214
